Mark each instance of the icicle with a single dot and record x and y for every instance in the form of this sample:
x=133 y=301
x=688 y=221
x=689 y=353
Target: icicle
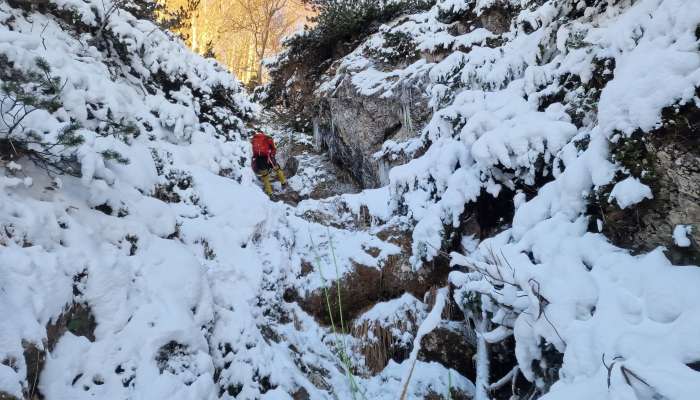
x=406 y=109
x=331 y=142
x=332 y=124
x=383 y=168
x=317 y=135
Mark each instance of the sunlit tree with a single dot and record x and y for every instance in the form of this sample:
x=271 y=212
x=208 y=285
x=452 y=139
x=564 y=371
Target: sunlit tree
x=239 y=33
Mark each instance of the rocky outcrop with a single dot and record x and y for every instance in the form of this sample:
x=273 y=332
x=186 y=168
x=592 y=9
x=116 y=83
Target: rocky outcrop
x=76 y=319
x=668 y=161
x=449 y=345
x=388 y=337
x=496 y=18
x=353 y=127
x=391 y=338
x=366 y=286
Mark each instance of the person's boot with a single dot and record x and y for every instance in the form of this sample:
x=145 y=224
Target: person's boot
x=267 y=186
x=280 y=176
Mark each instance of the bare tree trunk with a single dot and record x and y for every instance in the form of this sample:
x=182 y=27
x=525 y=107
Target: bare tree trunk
x=261 y=54
x=193 y=37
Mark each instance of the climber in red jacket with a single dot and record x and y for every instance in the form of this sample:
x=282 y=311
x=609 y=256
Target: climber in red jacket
x=264 y=161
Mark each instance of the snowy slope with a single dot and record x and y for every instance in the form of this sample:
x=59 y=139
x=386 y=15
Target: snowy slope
x=529 y=115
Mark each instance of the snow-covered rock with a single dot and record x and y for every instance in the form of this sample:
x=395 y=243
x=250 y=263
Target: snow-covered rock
x=680 y=235
x=630 y=192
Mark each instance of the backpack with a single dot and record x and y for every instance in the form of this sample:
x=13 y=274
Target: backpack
x=262 y=146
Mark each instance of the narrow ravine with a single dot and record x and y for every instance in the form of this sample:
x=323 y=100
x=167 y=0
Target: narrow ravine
x=487 y=200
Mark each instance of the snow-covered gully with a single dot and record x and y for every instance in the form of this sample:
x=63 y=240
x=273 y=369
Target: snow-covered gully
x=507 y=210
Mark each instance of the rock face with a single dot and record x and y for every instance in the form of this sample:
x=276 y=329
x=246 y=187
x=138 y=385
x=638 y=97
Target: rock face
x=353 y=127
x=668 y=161
x=311 y=173
x=389 y=337
x=366 y=286
x=497 y=18
x=678 y=169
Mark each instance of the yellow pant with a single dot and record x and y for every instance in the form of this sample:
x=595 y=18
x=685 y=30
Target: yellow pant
x=265 y=177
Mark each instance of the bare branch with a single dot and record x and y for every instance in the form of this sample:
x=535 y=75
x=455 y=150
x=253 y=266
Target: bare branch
x=507 y=378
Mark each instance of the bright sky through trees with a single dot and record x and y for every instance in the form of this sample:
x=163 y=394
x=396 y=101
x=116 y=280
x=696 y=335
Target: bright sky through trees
x=241 y=33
